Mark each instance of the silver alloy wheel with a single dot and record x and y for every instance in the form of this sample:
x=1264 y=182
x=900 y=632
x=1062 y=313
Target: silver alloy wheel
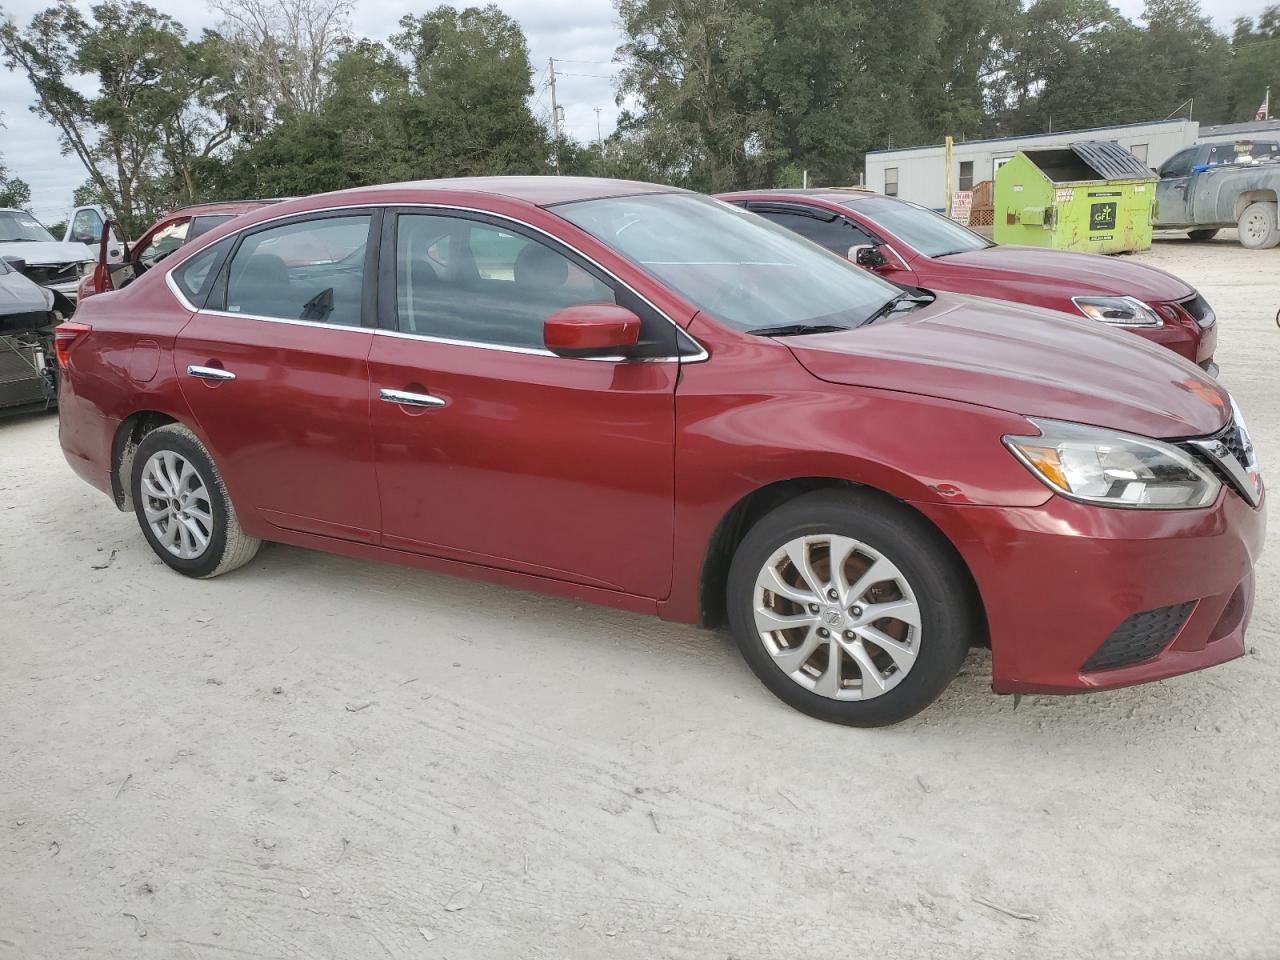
x=177 y=504
x=838 y=617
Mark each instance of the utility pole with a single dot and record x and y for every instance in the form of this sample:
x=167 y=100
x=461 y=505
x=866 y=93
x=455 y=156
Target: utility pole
x=599 y=136
x=947 y=179
x=555 y=112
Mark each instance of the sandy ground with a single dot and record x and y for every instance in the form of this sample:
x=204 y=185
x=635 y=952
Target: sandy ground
x=319 y=757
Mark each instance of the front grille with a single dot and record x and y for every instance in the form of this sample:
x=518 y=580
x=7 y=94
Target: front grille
x=51 y=273
x=1229 y=454
x=1141 y=637
x=1200 y=310
x=22 y=380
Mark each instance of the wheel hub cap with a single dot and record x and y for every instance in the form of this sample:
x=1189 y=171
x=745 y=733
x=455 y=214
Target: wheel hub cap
x=838 y=617
x=176 y=504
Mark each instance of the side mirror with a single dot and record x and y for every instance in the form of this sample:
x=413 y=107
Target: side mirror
x=17 y=263
x=867 y=255
x=591 y=330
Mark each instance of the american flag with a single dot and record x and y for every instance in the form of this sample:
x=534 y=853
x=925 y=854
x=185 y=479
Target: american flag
x=1264 y=111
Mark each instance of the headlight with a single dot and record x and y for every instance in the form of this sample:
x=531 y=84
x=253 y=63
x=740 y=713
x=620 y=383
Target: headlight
x=1114 y=469
x=1119 y=311
x=86 y=267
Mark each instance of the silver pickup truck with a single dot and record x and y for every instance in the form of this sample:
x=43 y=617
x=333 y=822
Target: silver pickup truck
x=1201 y=196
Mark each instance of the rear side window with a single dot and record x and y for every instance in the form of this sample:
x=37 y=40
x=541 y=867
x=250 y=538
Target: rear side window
x=202 y=225
x=195 y=277
x=310 y=270
x=837 y=234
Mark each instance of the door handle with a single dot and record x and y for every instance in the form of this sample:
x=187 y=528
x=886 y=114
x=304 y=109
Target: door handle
x=405 y=398
x=209 y=373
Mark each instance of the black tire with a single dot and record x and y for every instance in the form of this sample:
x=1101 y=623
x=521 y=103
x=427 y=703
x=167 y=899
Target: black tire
x=947 y=607
x=1257 y=226
x=1202 y=236
x=228 y=545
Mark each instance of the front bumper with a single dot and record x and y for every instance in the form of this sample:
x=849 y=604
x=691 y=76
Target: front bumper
x=1058 y=580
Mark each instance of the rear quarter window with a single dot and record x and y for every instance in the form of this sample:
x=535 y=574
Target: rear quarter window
x=195 y=276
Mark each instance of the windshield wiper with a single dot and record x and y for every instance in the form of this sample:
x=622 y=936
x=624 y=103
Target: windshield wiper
x=797 y=329
x=903 y=301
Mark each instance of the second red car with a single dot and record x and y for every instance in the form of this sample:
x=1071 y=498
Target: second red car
x=915 y=247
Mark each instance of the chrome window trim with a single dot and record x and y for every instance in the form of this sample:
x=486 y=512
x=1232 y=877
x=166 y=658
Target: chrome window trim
x=698 y=357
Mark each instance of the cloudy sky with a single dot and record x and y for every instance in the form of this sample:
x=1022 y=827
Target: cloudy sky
x=581 y=33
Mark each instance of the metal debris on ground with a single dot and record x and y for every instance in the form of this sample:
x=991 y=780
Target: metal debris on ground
x=1016 y=914
x=462 y=899
x=106 y=563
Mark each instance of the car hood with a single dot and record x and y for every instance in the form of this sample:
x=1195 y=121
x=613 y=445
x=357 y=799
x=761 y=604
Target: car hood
x=1075 y=273
x=1026 y=361
x=20 y=295
x=39 y=253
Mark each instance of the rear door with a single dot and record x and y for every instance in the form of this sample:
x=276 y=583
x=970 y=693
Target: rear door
x=274 y=366
x=490 y=449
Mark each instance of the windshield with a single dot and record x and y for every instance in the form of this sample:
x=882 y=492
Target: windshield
x=736 y=266
x=16 y=225
x=926 y=232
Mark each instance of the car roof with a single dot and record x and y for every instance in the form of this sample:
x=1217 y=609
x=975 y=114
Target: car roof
x=221 y=207
x=840 y=195
x=541 y=191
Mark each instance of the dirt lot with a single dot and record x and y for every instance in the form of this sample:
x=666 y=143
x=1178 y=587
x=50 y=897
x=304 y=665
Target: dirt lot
x=319 y=757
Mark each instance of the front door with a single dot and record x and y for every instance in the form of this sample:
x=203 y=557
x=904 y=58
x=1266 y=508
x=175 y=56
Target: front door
x=1174 y=189
x=490 y=449
x=274 y=368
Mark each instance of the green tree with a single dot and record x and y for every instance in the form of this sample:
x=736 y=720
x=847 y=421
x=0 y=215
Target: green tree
x=156 y=105
x=467 y=110
x=1255 y=64
x=1190 y=57
x=13 y=192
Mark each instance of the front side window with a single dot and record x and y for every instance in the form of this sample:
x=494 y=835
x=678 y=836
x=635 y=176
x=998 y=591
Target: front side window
x=891 y=181
x=741 y=269
x=966 y=175
x=464 y=280
x=836 y=234
x=308 y=270
x=1179 y=165
x=166 y=240
x=925 y=231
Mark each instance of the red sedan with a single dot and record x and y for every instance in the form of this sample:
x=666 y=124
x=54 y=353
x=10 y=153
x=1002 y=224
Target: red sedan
x=645 y=398
x=916 y=247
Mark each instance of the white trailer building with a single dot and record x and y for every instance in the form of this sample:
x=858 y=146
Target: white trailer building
x=919 y=173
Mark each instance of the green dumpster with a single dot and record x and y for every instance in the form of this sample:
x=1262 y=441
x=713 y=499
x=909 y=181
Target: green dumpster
x=1095 y=197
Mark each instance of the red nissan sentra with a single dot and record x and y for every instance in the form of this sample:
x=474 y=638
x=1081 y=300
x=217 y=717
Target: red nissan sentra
x=915 y=247
x=646 y=398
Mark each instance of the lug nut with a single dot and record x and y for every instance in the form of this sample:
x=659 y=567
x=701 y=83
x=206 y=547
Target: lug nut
x=850 y=635
x=855 y=611
x=822 y=632
x=813 y=608
x=831 y=594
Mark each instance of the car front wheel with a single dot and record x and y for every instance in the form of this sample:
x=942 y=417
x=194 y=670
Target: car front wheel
x=850 y=607
x=183 y=506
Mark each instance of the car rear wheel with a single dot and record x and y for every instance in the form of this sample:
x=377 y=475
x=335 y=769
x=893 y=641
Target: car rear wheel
x=850 y=608
x=1202 y=236
x=183 y=506
x=1258 y=230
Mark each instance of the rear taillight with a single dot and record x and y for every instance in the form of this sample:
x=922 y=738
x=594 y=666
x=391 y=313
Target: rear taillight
x=66 y=336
